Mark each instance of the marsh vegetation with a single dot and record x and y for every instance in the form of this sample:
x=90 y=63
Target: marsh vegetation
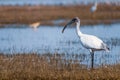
x=46 y=14
x=55 y=66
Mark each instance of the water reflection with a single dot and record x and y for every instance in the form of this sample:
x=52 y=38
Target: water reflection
x=50 y=39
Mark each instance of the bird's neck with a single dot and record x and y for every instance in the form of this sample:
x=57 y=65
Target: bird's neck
x=78 y=28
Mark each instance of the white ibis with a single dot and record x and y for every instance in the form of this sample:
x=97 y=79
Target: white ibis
x=90 y=42
x=94 y=7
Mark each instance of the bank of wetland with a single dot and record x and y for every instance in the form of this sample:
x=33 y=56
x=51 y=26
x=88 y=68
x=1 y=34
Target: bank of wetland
x=46 y=14
x=48 y=66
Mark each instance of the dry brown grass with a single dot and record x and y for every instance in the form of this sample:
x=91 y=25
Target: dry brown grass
x=51 y=67
x=44 y=14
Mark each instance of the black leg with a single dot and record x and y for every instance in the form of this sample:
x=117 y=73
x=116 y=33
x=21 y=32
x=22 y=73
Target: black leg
x=92 y=60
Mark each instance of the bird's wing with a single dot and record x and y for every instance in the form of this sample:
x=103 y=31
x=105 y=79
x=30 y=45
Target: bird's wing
x=90 y=41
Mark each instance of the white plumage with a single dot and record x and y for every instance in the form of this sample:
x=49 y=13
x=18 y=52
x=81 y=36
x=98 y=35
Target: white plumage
x=90 y=42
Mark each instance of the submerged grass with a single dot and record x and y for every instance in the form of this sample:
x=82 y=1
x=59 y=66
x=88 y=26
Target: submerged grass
x=48 y=66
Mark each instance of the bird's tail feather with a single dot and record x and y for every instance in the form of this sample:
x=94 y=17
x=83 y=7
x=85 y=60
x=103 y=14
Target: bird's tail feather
x=107 y=49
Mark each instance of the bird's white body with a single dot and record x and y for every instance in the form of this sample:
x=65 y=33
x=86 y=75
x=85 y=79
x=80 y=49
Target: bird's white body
x=94 y=8
x=89 y=41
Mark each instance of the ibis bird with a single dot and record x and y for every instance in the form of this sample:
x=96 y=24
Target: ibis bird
x=90 y=42
x=94 y=7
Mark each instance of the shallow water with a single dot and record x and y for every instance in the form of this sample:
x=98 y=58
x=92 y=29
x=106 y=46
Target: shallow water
x=50 y=39
x=51 y=2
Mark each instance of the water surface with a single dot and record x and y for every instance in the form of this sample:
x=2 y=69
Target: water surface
x=47 y=39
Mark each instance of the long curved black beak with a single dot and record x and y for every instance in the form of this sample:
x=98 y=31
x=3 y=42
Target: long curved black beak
x=67 y=25
x=64 y=28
